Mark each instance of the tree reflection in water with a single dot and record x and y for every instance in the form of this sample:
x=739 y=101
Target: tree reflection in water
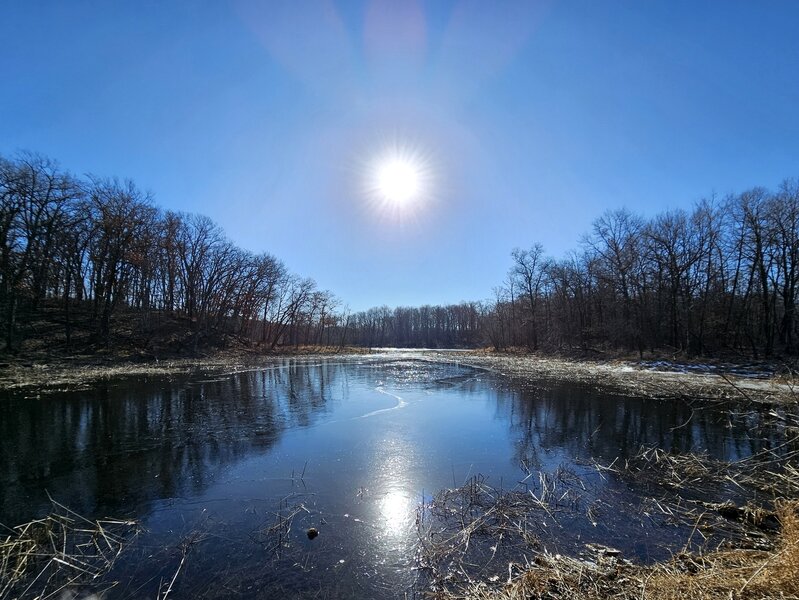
x=219 y=450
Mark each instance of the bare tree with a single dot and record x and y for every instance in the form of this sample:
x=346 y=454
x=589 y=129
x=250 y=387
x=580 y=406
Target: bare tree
x=527 y=273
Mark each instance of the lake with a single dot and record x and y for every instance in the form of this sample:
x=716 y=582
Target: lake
x=226 y=472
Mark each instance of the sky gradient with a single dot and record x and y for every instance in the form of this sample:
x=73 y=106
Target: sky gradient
x=533 y=118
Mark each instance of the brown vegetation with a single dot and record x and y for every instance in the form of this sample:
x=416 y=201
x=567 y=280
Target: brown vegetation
x=721 y=574
x=469 y=535
x=47 y=373
x=44 y=557
x=633 y=378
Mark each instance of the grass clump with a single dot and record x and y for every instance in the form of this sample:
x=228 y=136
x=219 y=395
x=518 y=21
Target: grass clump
x=46 y=557
x=727 y=571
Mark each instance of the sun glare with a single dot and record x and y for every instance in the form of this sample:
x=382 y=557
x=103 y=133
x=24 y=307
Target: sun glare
x=395 y=510
x=399 y=181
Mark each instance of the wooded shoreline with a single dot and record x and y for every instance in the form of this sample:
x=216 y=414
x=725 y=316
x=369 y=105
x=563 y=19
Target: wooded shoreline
x=94 y=262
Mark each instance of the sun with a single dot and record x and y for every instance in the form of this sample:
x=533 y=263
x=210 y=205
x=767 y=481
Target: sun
x=398 y=180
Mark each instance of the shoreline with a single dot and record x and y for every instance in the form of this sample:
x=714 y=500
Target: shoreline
x=664 y=380
x=657 y=379
x=81 y=371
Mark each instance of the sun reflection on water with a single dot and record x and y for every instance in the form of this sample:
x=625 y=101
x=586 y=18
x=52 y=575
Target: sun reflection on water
x=395 y=509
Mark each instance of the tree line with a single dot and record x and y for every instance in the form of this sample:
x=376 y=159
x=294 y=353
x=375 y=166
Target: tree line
x=719 y=278
x=102 y=246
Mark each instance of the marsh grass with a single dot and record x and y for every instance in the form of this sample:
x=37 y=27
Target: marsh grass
x=480 y=542
x=737 y=574
x=46 y=557
x=767 y=473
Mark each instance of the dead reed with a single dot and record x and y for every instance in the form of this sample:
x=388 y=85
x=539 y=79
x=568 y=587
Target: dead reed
x=737 y=574
x=276 y=537
x=45 y=557
x=474 y=532
x=767 y=472
x=480 y=542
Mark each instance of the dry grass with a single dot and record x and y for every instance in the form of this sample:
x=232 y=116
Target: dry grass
x=471 y=535
x=632 y=379
x=768 y=472
x=46 y=557
x=728 y=574
x=54 y=374
x=735 y=573
x=487 y=544
x=474 y=532
x=275 y=538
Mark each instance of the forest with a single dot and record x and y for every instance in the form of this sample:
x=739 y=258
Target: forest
x=98 y=260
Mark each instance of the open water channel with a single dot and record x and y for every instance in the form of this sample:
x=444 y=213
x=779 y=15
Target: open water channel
x=225 y=473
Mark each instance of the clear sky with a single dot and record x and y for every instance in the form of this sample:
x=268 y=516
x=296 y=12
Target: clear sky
x=529 y=119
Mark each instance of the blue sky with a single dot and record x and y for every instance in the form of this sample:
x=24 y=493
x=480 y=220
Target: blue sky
x=532 y=118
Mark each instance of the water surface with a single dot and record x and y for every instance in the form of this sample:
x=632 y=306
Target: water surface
x=233 y=468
